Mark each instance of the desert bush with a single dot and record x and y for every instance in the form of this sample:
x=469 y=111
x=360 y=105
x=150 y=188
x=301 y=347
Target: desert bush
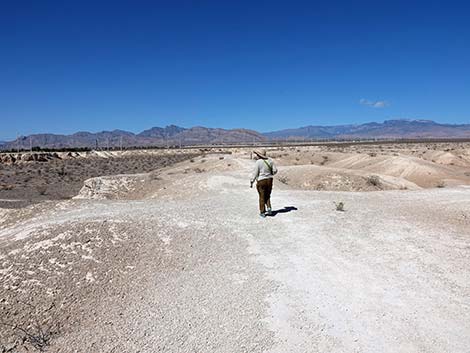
x=38 y=337
x=41 y=189
x=61 y=172
x=339 y=206
x=283 y=179
x=7 y=187
x=154 y=175
x=374 y=180
x=31 y=334
x=441 y=184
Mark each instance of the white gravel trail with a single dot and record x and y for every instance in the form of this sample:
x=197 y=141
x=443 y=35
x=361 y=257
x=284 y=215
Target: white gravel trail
x=387 y=275
x=390 y=274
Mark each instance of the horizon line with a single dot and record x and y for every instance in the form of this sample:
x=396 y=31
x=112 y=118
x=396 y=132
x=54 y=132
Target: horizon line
x=9 y=139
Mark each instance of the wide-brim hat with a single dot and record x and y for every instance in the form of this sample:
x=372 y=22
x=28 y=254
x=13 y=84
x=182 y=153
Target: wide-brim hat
x=260 y=153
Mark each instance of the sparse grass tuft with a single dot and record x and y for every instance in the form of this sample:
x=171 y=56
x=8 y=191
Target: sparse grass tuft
x=339 y=206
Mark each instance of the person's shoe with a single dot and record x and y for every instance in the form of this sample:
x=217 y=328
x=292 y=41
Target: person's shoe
x=269 y=213
x=262 y=215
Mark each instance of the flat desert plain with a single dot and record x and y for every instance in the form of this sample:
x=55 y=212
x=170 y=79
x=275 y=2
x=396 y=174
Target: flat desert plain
x=164 y=251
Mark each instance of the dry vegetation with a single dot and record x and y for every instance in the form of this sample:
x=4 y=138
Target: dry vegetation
x=61 y=178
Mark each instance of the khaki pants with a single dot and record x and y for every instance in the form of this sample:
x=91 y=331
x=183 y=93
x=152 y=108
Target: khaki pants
x=264 y=188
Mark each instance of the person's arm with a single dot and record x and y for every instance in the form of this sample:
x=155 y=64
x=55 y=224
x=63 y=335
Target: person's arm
x=274 y=169
x=255 y=174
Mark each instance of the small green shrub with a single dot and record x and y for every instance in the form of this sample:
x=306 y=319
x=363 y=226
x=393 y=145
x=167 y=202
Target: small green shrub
x=339 y=206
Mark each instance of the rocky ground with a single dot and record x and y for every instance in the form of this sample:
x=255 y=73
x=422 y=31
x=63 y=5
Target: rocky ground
x=178 y=260
x=27 y=178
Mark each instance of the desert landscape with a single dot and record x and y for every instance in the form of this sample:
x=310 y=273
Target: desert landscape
x=164 y=251
x=27 y=178
x=140 y=211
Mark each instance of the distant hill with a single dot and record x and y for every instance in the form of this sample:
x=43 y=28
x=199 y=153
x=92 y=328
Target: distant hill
x=162 y=133
x=156 y=136
x=175 y=135
x=387 y=129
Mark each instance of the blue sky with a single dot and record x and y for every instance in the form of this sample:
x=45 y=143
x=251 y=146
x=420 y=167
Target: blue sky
x=67 y=66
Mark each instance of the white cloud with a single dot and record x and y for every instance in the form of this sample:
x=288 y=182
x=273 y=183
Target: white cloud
x=374 y=104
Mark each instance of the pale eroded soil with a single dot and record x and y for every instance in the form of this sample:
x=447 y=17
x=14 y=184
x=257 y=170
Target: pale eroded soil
x=181 y=262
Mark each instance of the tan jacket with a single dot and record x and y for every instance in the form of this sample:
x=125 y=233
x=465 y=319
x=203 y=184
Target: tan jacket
x=262 y=170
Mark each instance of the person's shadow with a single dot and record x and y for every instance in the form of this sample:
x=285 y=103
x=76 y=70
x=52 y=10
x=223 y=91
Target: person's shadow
x=284 y=210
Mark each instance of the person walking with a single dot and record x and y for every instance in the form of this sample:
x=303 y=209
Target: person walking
x=263 y=174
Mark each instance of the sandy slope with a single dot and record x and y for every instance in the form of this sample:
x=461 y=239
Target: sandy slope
x=399 y=166
x=192 y=268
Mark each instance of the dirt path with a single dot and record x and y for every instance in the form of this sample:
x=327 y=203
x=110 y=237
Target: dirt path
x=387 y=275
x=207 y=274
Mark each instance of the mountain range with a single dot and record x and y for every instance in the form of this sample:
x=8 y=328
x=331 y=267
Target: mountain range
x=175 y=135
x=389 y=129
x=157 y=136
